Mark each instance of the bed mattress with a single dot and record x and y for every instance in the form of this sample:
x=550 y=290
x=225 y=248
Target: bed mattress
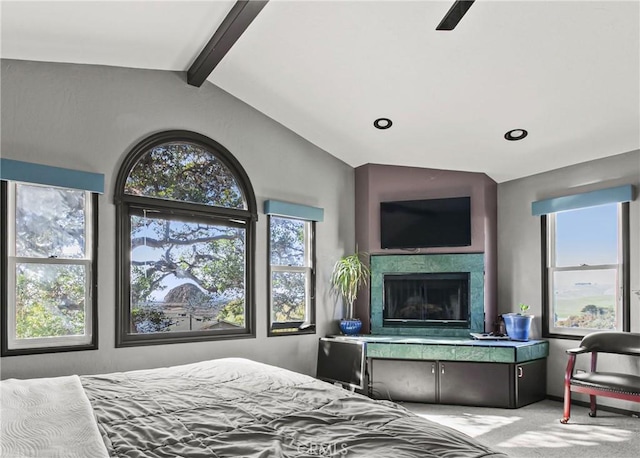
x=239 y=408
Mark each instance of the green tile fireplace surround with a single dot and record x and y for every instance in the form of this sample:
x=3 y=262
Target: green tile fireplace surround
x=428 y=263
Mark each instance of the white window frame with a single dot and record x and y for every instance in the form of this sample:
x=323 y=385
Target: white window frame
x=308 y=269
x=552 y=268
x=85 y=340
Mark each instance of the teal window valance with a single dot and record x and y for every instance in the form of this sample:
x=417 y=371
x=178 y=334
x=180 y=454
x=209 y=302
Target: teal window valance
x=28 y=172
x=585 y=199
x=305 y=212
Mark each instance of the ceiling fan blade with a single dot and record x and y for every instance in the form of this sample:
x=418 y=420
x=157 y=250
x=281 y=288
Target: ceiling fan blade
x=455 y=13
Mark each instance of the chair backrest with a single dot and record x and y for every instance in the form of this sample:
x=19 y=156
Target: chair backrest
x=623 y=343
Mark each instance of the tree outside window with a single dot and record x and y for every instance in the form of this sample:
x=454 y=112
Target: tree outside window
x=186 y=225
x=291 y=274
x=49 y=302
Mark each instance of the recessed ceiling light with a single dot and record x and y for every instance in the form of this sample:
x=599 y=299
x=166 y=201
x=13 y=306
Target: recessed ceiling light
x=382 y=123
x=516 y=134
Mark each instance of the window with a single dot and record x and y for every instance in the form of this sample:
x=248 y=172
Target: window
x=49 y=291
x=586 y=259
x=291 y=275
x=185 y=215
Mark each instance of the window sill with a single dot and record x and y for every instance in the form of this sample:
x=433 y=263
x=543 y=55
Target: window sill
x=281 y=330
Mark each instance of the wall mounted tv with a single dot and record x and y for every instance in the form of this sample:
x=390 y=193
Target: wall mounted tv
x=426 y=223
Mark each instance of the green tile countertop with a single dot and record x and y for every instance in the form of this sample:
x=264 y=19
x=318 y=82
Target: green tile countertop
x=452 y=348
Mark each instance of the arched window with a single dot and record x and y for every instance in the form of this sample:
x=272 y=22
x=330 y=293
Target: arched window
x=186 y=216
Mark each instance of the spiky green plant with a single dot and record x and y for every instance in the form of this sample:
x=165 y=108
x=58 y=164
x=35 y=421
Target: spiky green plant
x=349 y=274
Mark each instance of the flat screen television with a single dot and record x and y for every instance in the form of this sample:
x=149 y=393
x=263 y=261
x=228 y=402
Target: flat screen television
x=426 y=223
x=341 y=361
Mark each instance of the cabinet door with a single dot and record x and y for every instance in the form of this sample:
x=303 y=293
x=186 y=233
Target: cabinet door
x=476 y=384
x=531 y=382
x=404 y=380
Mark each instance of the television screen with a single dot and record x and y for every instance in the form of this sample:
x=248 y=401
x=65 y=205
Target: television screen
x=341 y=361
x=426 y=223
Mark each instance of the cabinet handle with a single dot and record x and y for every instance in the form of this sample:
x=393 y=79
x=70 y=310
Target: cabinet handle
x=433 y=368
x=519 y=371
x=442 y=368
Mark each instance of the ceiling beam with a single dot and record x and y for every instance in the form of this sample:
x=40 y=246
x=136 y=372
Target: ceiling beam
x=233 y=25
x=455 y=13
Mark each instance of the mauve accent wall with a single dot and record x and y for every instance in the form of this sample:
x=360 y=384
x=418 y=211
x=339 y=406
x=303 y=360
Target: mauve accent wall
x=375 y=183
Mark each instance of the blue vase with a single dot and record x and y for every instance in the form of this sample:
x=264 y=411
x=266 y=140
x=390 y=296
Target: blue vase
x=350 y=327
x=517 y=326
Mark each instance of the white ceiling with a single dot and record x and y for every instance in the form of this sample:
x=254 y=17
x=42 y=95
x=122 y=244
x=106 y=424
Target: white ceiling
x=567 y=71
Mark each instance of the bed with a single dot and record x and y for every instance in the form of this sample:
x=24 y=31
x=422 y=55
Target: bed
x=228 y=407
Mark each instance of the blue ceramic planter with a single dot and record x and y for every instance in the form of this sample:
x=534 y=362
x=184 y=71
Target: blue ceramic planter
x=517 y=326
x=350 y=327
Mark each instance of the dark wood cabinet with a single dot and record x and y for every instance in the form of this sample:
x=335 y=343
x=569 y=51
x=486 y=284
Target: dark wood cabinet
x=478 y=372
x=530 y=382
x=475 y=384
x=404 y=380
x=506 y=385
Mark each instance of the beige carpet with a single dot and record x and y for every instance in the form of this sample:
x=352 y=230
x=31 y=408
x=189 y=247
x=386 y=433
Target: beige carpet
x=535 y=430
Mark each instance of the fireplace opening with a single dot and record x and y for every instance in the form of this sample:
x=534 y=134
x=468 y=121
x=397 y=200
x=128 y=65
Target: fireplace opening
x=426 y=299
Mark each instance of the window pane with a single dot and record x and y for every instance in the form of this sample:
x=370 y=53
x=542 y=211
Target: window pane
x=185 y=172
x=287 y=242
x=288 y=296
x=50 y=300
x=50 y=222
x=585 y=299
x=587 y=236
x=186 y=276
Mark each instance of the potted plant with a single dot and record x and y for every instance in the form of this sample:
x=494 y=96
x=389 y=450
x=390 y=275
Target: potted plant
x=349 y=274
x=518 y=325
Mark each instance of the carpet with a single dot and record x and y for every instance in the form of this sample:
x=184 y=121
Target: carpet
x=535 y=430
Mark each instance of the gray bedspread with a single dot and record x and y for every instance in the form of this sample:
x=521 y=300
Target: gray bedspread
x=239 y=408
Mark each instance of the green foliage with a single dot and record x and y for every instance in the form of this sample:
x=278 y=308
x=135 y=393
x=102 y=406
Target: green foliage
x=288 y=288
x=233 y=312
x=288 y=296
x=601 y=318
x=210 y=255
x=50 y=298
x=50 y=301
x=37 y=320
x=589 y=312
x=591 y=308
x=523 y=307
x=150 y=319
x=167 y=253
x=142 y=284
x=348 y=276
x=287 y=242
x=49 y=222
x=184 y=172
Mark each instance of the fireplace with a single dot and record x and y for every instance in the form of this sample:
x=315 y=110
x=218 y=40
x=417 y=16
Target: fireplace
x=439 y=295
x=419 y=299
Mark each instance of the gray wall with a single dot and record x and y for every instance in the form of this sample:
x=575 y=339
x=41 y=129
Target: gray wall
x=519 y=254
x=88 y=117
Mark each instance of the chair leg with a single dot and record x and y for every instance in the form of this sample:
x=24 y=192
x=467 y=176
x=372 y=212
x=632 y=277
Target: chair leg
x=567 y=405
x=594 y=408
x=567 y=387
